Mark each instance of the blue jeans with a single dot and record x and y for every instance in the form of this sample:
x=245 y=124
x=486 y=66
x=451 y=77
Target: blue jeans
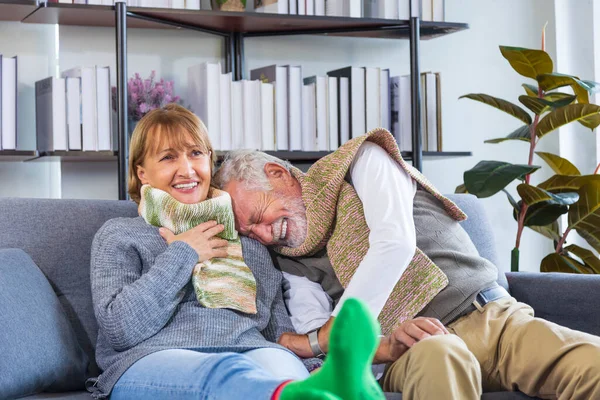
x=187 y=374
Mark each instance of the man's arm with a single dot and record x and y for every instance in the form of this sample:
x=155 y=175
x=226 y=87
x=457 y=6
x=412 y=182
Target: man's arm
x=309 y=305
x=387 y=194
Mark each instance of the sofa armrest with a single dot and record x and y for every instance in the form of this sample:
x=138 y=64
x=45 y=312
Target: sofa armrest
x=567 y=299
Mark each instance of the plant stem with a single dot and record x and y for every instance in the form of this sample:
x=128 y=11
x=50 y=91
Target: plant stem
x=562 y=240
x=521 y=224
x=597 y=169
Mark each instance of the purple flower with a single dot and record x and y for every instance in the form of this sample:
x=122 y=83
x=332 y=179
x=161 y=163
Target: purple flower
x=144 y=95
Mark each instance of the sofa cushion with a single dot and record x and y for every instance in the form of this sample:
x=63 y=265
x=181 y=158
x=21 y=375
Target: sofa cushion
x=58 y=234
x=39 y=350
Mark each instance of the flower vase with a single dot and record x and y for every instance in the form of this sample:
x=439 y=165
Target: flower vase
x=131 y=123
x=229 y=5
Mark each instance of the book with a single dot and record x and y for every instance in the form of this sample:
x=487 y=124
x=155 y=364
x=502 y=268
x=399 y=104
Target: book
x=320 y=7
x=438 y=108
x=267 y=120
x=406 y=138
x=89 y=119
x=225 y=98
x=252 y=114
x=426 y=10
x=439 y=10
x=237 y=116
x=51 y=114
x=8 y=103
x=204 y=96
x=384 y=99
x=293 y=7
x=295 y=107
x=395 y=108
x=430 y=92
x=332 y=113
x=404 y=9
x=309 y=120
x=73 y=113
x=321 y=107
x=344 y=109
x=372 y=98
x=278 y=76
x=356 y=93
x=192 y=4
x=272 y=6
x=344 y=8
x=105 y=140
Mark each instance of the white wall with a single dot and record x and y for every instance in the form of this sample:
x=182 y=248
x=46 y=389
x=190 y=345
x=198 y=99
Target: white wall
x=469 y=62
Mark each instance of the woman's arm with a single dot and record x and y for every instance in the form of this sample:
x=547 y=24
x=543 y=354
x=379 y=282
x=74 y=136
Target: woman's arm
x=130 y=306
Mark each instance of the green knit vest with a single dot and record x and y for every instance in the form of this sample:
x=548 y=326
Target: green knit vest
x=336 y=220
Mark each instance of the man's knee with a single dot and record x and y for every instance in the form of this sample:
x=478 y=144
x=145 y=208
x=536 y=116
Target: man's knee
x=436 y=367
x=444 y=348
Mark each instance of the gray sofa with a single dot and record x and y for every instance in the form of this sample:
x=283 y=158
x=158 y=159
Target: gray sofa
x=57 y=234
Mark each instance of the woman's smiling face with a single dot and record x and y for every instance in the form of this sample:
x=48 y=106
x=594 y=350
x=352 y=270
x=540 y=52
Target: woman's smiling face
x=177 y=166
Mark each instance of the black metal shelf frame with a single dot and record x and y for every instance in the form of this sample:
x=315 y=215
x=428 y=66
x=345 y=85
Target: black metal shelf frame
x=234 y=62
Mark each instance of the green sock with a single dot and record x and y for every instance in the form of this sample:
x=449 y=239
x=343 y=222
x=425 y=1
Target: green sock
x=346 y=373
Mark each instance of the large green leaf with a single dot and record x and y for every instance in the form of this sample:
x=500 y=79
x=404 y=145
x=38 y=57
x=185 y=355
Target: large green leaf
x=530 y=89
x=591 y=122
x=543 y=213
x=512 y=200
x=535 y=104
x=555 y=80
x=532 y=195
x=528 y=62
x=584 y=216
x=558 y=164
x=567 y=183
x=523 y=133
x=559 y=96
x=564 y=115
x=544 y=207
x=555 y=262
x=489 y=177
x=500 y=104
x=587 y=256
x=551 y=231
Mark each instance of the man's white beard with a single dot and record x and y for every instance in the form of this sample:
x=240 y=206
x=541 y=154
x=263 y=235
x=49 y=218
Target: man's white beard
x=297 y=235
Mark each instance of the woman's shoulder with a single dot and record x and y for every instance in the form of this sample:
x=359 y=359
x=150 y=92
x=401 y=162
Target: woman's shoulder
x=122 y=228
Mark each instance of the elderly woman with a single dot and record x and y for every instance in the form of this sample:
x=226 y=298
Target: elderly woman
x=185 y=310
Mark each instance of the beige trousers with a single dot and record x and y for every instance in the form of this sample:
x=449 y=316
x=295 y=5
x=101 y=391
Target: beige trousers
x=500 y=347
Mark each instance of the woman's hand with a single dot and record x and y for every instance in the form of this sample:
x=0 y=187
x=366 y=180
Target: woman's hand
x=202 y=239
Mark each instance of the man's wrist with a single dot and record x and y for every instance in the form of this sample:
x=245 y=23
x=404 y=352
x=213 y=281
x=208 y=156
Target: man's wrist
x=313 y=341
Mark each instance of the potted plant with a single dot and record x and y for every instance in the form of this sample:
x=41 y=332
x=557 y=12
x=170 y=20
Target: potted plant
x=567 y=192
x=144 y=95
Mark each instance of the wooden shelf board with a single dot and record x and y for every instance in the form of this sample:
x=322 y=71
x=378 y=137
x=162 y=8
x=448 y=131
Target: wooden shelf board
x=79 y=156
x=16 y=10
x=18 y=155
x=253 y=24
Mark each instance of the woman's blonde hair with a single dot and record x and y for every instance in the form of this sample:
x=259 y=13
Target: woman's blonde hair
x=172 y=124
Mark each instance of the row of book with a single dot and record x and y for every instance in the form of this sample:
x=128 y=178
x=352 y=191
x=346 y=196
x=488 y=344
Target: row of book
x=431 y=111
x=73 y=112
x=431 y=10
x=278 y=109
x=8 y=103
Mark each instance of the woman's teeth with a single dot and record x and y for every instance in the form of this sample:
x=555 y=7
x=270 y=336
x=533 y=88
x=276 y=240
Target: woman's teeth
x=186 y=185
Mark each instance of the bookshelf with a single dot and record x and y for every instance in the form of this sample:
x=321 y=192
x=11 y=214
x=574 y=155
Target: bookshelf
x=18 y=155
x=233 y=27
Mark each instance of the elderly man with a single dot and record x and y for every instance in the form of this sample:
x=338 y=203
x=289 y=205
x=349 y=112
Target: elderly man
x=362 y=223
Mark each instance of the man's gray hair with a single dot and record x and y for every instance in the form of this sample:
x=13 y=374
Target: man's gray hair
x=247 y=166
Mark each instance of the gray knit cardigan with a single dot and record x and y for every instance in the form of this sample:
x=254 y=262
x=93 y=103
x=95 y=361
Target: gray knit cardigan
x=144 y=301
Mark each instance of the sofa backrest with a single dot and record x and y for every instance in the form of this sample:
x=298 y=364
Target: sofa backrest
x=480 y=230
x=58 y=234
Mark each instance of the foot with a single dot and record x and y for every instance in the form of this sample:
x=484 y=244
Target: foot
x=346 y=373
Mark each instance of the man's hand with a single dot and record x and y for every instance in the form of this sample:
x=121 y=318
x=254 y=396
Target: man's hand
x=296 y=343
x=405 y=336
